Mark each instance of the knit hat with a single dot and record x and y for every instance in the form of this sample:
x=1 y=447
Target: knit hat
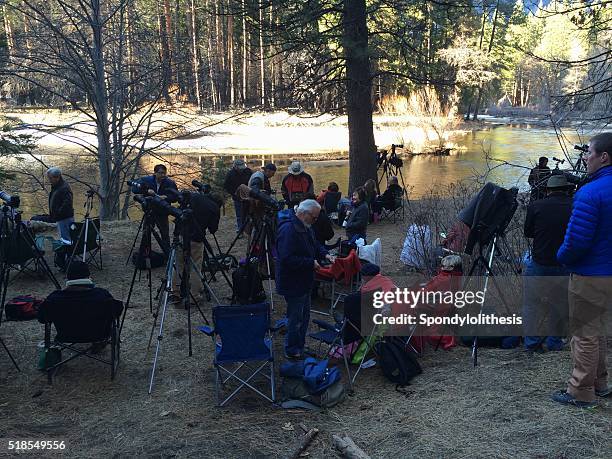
x=239 y=164
x=370 y=269
x=77 y=270
x=270 y=167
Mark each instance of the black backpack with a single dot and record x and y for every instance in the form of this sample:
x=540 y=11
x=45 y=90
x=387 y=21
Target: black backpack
x=140 y=260
x=247 y=285
x=397 y=364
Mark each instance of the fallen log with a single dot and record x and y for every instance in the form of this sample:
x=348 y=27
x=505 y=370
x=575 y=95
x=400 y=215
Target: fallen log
x=348 y=448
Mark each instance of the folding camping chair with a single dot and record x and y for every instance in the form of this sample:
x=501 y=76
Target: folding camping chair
x=242 y=335
x=341 y=284
x=344 y=336
x=396 y=210
x=77 y=324
x=87 y=242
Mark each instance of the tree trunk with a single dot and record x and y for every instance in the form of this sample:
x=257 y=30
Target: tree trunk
x=362 y=149
x=8 y=30
x=169 y=40
x=164 y=54
x=272 y=59
x=245 y=55
x=100 y=106
x=230 y=55
x=262 y=81
x=195 y=55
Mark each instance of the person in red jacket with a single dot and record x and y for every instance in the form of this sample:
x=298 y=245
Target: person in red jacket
x=296 y=184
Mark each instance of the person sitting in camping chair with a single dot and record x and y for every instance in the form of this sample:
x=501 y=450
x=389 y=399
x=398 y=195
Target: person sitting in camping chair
x=387 y=200
x=95 y=305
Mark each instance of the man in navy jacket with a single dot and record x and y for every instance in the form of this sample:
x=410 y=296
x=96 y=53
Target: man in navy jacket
x=587 y=253
x=160 y=184
x=298 y=254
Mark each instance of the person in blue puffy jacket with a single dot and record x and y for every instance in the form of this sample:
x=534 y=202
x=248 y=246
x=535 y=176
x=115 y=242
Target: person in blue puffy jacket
x=587 y=253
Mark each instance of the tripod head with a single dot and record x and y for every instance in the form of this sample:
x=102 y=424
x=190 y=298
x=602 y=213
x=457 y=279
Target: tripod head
x=10 y=200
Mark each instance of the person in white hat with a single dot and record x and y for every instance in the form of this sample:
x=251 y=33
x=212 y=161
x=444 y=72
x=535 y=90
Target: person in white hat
x=296 y=184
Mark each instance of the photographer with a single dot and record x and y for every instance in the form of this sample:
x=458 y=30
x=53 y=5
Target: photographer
x=238 y=175
x=537 y=179
x=61 y=210
x=205 y=215
x=159 y=184
x=260 y=180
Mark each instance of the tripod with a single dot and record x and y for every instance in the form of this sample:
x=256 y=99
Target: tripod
x=186 y=294
x=15 y=235
x=261 y=239
x=147 y=226
x=388 y=167
x=482 y=269
x=83 y=236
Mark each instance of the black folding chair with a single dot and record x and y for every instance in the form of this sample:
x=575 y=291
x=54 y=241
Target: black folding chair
x=346 y=331
x=83 y=328
x=86 y=242
x=395 y=209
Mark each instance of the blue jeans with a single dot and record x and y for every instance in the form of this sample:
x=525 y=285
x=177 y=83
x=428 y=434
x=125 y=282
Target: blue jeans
x=298 y=313
x=545 y=305
x=63 y=228
x=238 y=210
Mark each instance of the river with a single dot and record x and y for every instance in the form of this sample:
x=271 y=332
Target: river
x=518 y=144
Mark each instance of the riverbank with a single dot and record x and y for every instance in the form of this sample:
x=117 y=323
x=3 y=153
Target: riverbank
x=499 y=409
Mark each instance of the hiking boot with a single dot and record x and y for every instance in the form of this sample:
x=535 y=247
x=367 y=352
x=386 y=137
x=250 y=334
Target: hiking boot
x=605 y=392
x=566 y=398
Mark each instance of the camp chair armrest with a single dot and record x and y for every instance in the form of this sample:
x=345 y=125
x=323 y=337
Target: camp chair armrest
x=210 y=331
x=326 y=326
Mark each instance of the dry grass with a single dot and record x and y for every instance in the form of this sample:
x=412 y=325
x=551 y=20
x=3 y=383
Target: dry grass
x=500 y=409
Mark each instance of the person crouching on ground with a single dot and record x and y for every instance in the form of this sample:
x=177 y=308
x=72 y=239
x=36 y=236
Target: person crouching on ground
x=587 y=253
x=298 y=253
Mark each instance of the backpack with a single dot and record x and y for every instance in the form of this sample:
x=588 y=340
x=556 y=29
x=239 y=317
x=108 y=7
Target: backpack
x=397 y=364
x=140 y=261
x=247 y=287
x=311 y=382
x=295 y=389
x=23 y=307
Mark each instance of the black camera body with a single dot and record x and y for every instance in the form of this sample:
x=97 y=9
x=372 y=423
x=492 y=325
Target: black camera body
x=582 y=148
x=158 y=205
x=10 y=200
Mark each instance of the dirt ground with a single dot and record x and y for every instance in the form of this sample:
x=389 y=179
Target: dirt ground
x=502 y=408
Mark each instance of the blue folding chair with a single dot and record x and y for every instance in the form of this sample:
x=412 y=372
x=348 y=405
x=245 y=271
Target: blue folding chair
x=242 y=335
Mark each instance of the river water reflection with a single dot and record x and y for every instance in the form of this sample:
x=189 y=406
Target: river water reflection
x=516 y=144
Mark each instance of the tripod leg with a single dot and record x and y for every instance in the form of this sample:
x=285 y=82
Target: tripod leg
x=169 y=272
x=9 y=354
x=127 y=301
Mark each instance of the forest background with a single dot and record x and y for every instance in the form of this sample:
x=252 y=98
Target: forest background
x=139 y=72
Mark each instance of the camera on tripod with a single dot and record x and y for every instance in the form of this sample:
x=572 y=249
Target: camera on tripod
x=582 y=148
x=158 y=204
x=10 y=200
